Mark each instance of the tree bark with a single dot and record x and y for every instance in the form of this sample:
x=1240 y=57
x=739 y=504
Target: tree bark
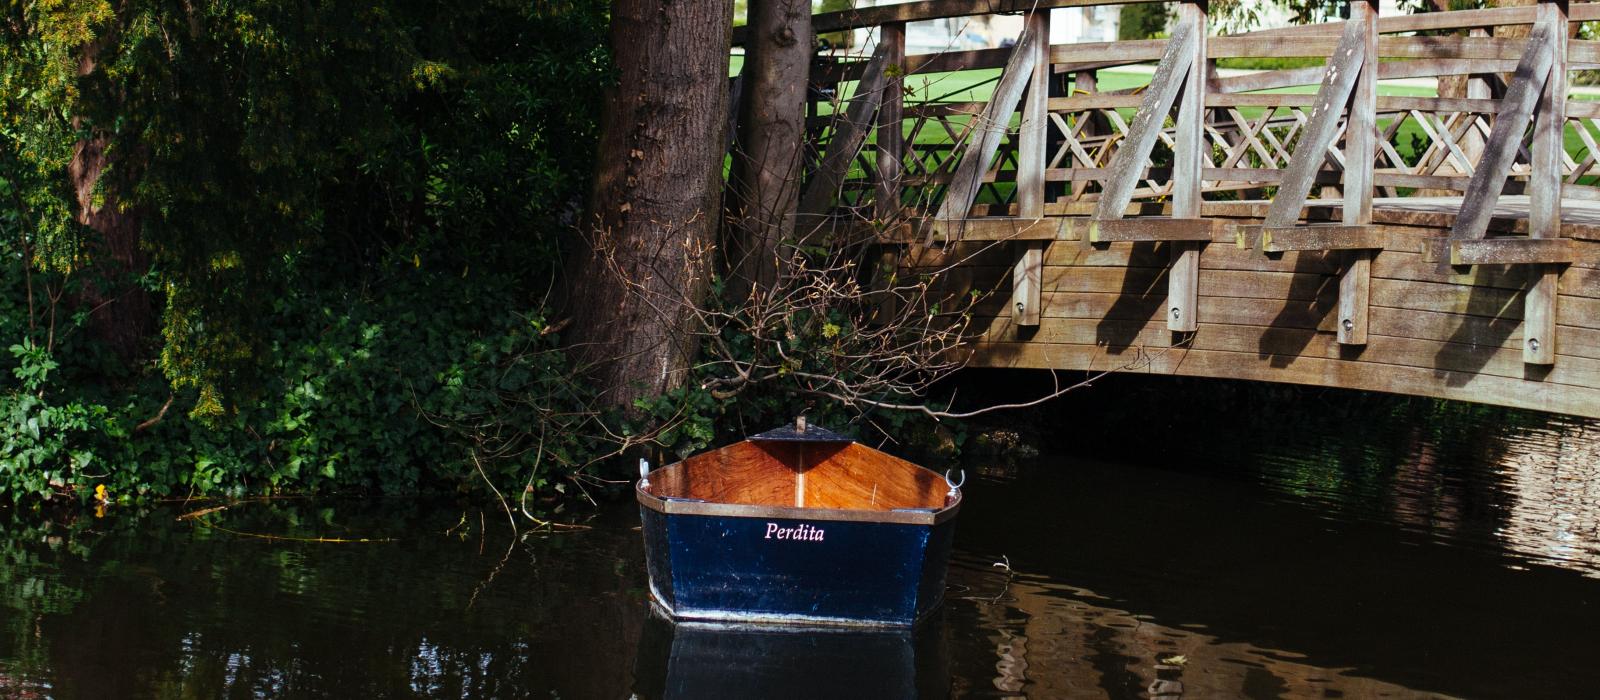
x=121 y=314
x=765 y=183
x=656 y=199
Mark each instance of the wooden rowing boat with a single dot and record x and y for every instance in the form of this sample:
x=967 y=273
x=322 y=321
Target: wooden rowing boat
x=797 y=525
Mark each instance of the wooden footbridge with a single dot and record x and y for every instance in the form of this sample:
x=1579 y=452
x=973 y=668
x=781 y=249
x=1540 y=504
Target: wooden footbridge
x=1224 y=223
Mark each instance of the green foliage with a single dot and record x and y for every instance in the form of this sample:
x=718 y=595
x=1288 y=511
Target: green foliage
x=244 y=133
x=43 y=439
x=1143 y=21
x=392 y=388
x=355 y=213
x=834 y=39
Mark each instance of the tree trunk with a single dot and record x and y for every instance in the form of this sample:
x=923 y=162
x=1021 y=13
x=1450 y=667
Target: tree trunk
x=765 y=183
x=121 y=314
x=120 y=311
x=656 y=200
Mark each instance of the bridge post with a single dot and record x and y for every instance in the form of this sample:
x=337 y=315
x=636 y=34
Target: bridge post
x=1032 y=159
x=1188 y=162
x=890 y=130
x=1544 y=190
x=1360 y=156
x=1087 y=82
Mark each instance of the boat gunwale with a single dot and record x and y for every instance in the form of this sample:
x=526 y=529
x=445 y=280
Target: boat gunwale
x=686 y=506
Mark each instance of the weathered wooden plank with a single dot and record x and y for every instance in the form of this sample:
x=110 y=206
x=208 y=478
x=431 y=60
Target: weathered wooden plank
x=1504 y=333
x=890 y=135
x=1190 y=153
x=944 y=109
x=1505 y=136
x=1101 y=306
x=1290 y=346
x=1360 y=153
x=1143 y=289
x=1274 y=286
x=1031 y=139
x=979 y=152
x=996 y=229
x=1281 y=239
x=1544 y=191
x=1458 y=47
x=1134 y=51
x=1131 y=156
x=1214 y=257
x=1429 y=21
x=1432 y=182
x=848 y=136
x=1579 y=51
x=952 y=61
x=1268 y=80
x=1444 y=298
x=918 y=64
x=1398 y=103
x=1400 y=264
x=1275 y=99
x=1141 y=229
x=1249 y=46
x=1250 y=175
x=1499 y=251
x=1582 y=108
x=1316 y=371
x=1427 y=67
x=863 y=17
x=1099 y=100
x=1026 y=281
x=1388 y=70
x=1343 y=69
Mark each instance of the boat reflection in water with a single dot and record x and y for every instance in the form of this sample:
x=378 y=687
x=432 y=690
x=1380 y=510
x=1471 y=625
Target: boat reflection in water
x=714 y=660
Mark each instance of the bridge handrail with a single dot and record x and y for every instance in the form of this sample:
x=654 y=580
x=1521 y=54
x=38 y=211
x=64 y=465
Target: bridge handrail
x=867 y=17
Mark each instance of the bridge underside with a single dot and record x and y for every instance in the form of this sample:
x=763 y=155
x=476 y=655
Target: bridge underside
x=1444 y=332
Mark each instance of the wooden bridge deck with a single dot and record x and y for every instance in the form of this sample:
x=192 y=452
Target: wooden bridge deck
x=1216 y=226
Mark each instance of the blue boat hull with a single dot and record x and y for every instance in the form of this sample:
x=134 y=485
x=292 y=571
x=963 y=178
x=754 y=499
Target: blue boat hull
x=788 y=570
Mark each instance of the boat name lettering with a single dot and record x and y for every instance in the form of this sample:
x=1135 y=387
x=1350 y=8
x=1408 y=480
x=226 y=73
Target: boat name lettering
x=798 y=532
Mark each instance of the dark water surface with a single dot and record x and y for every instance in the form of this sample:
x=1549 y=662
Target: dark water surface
x=1359 y=549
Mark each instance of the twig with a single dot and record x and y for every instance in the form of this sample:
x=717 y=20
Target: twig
x=157 y=419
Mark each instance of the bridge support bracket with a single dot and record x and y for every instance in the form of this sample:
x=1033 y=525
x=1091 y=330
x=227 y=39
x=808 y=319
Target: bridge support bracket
x=991 y=229
x=1499 y=251
x=1544 y=256
x=1105 y=231
x=1281 y=239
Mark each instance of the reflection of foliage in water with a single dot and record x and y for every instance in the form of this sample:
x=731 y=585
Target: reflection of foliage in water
x=176 y=609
